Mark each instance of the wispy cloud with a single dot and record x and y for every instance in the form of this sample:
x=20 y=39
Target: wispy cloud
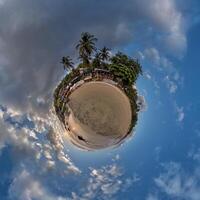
x=194 y=154
x=151 y=197
x=105 y=183
x=180 y=113
x=175 y=182
x=154 y=55
x=166 y=69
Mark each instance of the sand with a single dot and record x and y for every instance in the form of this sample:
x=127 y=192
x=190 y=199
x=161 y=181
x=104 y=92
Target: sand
x=100 y=115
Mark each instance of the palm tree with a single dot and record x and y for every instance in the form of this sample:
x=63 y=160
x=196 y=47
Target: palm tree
x=86 y=47
x=96 y=63
x=67 y=63
x=105 y=53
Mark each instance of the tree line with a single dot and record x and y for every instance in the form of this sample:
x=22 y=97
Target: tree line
x=121 y=65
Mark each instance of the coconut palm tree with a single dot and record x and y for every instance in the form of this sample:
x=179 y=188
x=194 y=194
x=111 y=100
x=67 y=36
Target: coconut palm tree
x=105 y=53
x=67 y=63
x=86 y=47
x=96 y=63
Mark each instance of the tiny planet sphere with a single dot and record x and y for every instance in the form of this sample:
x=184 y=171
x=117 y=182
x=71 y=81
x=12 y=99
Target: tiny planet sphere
x=97 y=101
x=96 y=113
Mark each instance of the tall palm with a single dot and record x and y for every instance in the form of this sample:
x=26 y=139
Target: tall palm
x=105 y=53
x=86 y=47
x=67 y=63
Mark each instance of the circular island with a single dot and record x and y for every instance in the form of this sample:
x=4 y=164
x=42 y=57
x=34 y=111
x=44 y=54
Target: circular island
x=97 y=101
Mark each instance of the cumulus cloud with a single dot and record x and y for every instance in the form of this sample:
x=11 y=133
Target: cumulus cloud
x=166 y=15
x=37 y=161
x=21 y=132
x=34 y=35
x=20 y=139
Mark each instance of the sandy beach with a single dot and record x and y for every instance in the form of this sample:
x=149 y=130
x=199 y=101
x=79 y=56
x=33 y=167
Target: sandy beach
x=100 y=114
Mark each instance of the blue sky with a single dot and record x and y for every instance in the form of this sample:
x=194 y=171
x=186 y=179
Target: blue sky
x=160 y=161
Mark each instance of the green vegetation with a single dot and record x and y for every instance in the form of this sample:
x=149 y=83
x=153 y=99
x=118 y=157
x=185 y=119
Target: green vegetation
x=123 y=67
x=86 y=47
x=124 y=70
x=67 y=63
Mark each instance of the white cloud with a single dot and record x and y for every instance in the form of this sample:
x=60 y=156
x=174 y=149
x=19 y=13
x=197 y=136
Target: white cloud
x=37 y=161
x=31 y=72
x=147 y=75
x=161 y=62
x=21 y=140
x=27 y=187
x=151 y=78
x=153 y=54
x=180 y=113
x=171 y=85
x=194 y=154
x=116 y=158
x=172 y=78
x=23 y=136
x=105 y=183
x=151 y=197
x=177 y=183
x=141 y=103
x=166 y=15
x=140 y=55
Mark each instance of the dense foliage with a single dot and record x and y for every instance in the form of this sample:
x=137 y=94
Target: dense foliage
x=123 y=67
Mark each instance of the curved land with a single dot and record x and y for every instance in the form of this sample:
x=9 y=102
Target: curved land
x=100 y=114
x=96 y=101
x=96 y=109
